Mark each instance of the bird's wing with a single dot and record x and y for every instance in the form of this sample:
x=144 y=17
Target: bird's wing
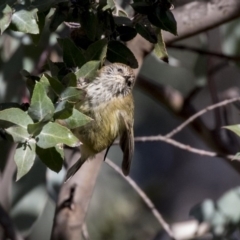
x=127 y=146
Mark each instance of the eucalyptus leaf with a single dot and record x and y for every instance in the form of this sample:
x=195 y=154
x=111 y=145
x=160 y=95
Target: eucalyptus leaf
x=51 y=157
x=53 y=134
x=77 y=119
x=70 y=79
x=41 y=107
x=71 y=94
x=146 y=33
x=126 y=33
x=41 y=22
x=35 y=128
x=24 y=157
x=72 y=56
x=234 y=128
x=6 y=17
x=160 y=48
x=55 y=84
x=118 y=52
x=63 y=110
x=97 y=50
x=15 y=116
x=25 y=21
x=57 y=19
x=88 y=70
x=18 y=134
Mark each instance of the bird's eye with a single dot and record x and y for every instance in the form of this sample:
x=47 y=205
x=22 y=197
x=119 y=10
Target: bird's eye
x=120 y=70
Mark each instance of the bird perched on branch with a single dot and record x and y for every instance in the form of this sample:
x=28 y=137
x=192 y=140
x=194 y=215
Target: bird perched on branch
x=108 y=101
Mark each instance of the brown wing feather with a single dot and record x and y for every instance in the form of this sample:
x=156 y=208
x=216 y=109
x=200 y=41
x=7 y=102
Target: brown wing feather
x=127 y=146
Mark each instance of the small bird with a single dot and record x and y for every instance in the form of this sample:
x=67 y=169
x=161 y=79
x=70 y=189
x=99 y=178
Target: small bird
x=108 y=101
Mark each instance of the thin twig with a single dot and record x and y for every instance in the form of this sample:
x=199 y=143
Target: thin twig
x=144 y=197
x=184 y=146
x=198 y=114
x=205 y=52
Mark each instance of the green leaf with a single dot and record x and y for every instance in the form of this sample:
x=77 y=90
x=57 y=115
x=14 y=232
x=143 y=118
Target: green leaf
x=51 y=157
x=118 y=52
x=146 y=33
x=54 y=69
x=70 y=80
x=57 y=19
x=97 y=51
x=55 y=84
x=15 y=116
x=25 y=21
x=164 y=20
x=53 y=134
x=234 y=128
x=63 y=110
x=24 y=158
x=160 y=48
x=41 y=107
x=35 y=128
x=71 y=94
x=6 y=17
x=88 y=70
x=18 y=134
x=77 y=119
x=89 y=23
x=41 y=23
x=126 y=33
x=72 y=56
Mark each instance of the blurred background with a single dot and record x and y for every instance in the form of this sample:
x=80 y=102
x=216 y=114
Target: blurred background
x=174 y=179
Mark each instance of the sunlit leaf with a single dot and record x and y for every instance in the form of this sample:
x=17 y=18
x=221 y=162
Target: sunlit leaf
x=18 y=134
x=25 y=21
x=15 y=116
x=71 y=94
x=24 y=158
x=88 y=70
x=6 y=17
x=160 y=48
x=234 y=128
x=53 y=134
x=77 y=119
x=41 y=107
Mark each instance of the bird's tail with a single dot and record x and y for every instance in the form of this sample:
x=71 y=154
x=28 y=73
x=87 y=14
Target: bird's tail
x=72 y=170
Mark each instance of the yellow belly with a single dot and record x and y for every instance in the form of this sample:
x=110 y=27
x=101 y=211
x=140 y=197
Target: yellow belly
x=106 y=126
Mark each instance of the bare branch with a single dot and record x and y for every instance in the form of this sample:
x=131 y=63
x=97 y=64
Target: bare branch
x=184 y=146
x=198 y=114
x=144 y=197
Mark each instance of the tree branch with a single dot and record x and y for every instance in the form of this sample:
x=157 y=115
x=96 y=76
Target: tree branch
x=144 y=197
x=74 y=200
x=196 y=17
x=198 y=114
